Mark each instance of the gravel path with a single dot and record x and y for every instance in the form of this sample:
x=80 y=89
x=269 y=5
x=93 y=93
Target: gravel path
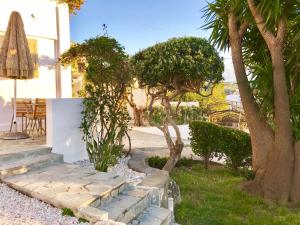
x=18 y=209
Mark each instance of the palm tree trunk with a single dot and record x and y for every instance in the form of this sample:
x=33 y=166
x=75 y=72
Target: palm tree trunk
x=261 y=134
x=295 y=190
x=278 y=177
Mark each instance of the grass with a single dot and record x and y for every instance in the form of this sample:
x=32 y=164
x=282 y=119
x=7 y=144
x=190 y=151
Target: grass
x=213 y=197
x=69 y=212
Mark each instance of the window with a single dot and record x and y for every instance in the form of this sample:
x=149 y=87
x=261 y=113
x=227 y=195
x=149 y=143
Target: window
x=32 y=43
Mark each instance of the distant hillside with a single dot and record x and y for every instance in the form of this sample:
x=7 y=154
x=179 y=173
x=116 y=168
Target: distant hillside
x=230 y=88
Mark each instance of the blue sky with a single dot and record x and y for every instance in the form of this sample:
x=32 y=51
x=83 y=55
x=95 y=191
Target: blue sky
x=137 y=24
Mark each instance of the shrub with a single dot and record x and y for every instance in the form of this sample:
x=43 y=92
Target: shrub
x=157 y=162
x=209 y=140
x=104 y=117
x=236 y=145
x=184 y=115
x=188 y=113
x=203 y=139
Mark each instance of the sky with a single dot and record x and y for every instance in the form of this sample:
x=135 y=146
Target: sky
x=138 y=24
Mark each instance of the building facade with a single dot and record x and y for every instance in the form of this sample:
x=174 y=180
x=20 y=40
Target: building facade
x=47 y=26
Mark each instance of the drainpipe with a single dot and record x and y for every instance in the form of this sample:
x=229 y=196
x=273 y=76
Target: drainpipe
x=57 y=55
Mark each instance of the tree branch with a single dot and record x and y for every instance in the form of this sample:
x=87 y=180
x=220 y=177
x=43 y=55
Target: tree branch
x=260 y=22
x=178 y=104
x=167 y=135
x=150 y=109
x=167 y=106
x=281 y=31
x=243 y=29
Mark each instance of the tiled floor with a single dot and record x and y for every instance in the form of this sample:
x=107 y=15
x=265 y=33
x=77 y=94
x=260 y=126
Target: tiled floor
x=20 y=145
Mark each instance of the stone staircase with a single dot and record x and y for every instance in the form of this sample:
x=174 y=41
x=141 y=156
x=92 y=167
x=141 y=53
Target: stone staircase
x=90 y=194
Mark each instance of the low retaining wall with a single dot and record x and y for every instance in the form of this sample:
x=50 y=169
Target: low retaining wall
x=155 y=178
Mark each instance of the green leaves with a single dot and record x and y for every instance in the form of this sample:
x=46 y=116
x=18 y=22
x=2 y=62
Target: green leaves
x=104 y=117
x=209 y=140
x=256 y=55
x=180 y=61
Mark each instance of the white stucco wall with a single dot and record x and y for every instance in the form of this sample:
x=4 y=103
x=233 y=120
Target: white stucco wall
x=48 y=23
x=63 y=128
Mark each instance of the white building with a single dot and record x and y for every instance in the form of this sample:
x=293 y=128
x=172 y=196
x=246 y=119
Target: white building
x=47 y=27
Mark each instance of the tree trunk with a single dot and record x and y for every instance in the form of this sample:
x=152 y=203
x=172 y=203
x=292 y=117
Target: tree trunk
x=295 y=190
x=138 y=117
x=277 y=181
x=274 y=153
x=175 y=155
x=278 y=178
x=177 y=147
x=206 y=161
x=262 y=136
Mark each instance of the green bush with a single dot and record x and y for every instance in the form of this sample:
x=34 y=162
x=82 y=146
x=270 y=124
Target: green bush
x=157 y=162
x=188 y=113
x=184 y=116
x=208 y=140
x=203 y=140
x=236 y=145
x=105 y=117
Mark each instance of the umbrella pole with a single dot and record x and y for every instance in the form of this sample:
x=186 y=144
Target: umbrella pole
x=15 y=135
x=15 y=105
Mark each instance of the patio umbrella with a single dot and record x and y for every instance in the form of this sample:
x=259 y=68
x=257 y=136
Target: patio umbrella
x=15 y=61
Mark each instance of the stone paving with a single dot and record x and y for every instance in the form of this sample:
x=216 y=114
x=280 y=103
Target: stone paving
x=142 y=140
x=90 y=194
x=66 y=185
x=19 y=209
x=11 y=146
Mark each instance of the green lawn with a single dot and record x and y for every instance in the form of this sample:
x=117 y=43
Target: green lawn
x=214 y=197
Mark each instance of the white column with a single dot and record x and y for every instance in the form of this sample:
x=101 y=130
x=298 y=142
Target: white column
x=64 y=78
x=63 y=128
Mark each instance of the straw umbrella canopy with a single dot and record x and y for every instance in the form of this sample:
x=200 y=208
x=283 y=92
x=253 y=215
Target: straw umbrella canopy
x=15 y=59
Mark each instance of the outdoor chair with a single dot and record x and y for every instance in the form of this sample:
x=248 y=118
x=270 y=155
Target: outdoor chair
x=37 y=116
x=21 y=108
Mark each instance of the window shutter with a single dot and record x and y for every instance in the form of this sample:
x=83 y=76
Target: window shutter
x=32 y=43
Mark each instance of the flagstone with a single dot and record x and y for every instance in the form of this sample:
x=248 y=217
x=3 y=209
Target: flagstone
x=90 y=194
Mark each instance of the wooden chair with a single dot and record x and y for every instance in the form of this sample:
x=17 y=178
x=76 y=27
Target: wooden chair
x=21 y=108
x=37 y=116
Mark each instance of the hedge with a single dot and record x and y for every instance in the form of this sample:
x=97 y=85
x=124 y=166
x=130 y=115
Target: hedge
x=184 y=116
x=208 y=140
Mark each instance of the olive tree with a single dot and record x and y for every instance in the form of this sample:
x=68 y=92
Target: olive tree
x=168 y=71
x=264 y=39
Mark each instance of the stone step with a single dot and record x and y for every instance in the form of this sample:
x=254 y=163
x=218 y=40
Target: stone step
x=27 y=164
x=127 y=205
x=153 y=215
x=69 y=186
x=13 y=155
